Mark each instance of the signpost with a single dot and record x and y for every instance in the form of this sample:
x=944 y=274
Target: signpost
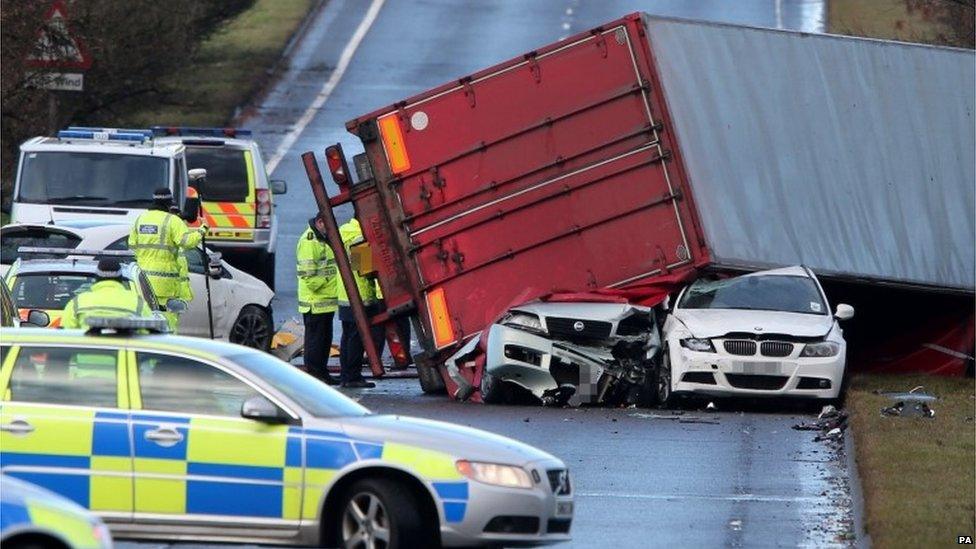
x=59 y=59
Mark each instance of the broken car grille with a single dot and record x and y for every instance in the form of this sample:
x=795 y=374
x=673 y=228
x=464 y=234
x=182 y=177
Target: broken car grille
x=559 y=482
x=760 y=382
x=776 y=348
x=740 y=347
x=578 y=328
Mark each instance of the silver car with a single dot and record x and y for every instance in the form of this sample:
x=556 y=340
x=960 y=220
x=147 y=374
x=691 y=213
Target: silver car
x=169 y=437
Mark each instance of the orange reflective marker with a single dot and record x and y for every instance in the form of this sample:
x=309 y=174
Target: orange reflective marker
x=440 y=319
x=396 y=150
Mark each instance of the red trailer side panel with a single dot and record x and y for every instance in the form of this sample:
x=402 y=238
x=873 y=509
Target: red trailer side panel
x=555 y=171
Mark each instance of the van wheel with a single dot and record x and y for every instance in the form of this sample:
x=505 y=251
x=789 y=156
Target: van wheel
x=253 y=328
x=384 y=514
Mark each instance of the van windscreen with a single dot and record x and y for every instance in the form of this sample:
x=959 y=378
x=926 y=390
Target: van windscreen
x=92 y=179
x=226 y=173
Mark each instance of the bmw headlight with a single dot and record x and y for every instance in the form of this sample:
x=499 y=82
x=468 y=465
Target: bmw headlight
x=525 y=321
x=822 y=349
x=698 y=344
x=495 y=474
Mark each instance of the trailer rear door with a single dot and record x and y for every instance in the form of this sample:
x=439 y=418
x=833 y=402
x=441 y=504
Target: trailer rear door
x=553 y=171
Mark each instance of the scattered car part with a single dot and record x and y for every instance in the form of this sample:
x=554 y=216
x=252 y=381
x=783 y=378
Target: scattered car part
x=914 y=403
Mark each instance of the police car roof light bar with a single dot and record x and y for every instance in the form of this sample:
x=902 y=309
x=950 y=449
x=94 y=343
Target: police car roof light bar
x=99 y=324
x=75 y=251
x=199 y=131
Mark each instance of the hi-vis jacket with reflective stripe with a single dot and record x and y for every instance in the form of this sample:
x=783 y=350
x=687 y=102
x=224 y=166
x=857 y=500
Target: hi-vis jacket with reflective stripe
x=352 y=234
x=104 y=298
x=158 y=238
x=317 y=278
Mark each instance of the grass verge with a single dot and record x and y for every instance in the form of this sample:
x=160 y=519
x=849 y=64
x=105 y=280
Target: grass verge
x=229 y=68
x=917 y=474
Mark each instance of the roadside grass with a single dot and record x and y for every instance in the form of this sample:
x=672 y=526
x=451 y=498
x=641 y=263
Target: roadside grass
x=917 y=474
x=229 y=68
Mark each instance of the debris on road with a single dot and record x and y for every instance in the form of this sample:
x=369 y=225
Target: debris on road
x=679 y=417
x=831 y=422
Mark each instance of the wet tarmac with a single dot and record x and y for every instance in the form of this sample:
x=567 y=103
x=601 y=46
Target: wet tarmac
x=738 y=477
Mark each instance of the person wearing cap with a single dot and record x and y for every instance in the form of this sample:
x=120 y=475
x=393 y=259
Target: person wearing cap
x=317 y=281
x=107 y=297
x=158 y=239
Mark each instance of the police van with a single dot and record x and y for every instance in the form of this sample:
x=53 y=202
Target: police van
x=236 y=198
x=104 y=174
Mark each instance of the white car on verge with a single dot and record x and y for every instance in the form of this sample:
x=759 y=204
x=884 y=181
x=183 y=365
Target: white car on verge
x=241 y=302
x=768 y=333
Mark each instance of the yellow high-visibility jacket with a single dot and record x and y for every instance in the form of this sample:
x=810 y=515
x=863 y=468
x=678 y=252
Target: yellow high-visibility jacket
x=158 y=239
x=105 y=298
x=317 y=275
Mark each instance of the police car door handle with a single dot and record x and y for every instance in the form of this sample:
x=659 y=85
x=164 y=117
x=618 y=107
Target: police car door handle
x=164 y=436
x=17 y=427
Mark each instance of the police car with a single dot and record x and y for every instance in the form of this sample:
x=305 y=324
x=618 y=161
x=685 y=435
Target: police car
x=168 y=437
x=241 y=303
x=32 y=517
x=96 y=173
x=236 y=198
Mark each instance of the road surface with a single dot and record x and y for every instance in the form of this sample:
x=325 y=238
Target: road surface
x=643 y=478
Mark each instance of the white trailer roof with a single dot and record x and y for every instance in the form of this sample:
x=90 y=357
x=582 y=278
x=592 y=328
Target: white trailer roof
x=852 y=156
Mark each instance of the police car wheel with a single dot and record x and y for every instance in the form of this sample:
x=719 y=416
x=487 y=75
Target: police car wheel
x=383 y=514
x=252 y=328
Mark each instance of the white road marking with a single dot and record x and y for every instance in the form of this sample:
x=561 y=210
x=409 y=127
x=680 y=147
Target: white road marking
x=720 y=497
x=329 y=86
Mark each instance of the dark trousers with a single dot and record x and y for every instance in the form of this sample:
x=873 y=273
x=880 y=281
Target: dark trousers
x=318 y=342
x=351 y=347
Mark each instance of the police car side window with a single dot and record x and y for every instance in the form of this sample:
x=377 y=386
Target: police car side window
x=177 y=384
x=65 y=375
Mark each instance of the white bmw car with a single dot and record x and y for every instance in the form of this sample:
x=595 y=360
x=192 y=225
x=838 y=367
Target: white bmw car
x=768 y=333
x=241 y=303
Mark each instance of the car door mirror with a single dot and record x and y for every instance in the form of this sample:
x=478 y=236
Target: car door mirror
x=278 y=186
x=37 y=318
x=260 y=408
x=215 y=265
x=844 y=312
x=175 y=305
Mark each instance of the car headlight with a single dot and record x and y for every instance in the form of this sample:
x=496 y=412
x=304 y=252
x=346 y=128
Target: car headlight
x=698 y=344
x=822 y=349
x=524 y=320
x=495 y=474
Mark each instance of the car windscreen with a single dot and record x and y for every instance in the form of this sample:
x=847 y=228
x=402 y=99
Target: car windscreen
x=12 y=238
x=92 y=179
x=49 y=290
x=794 y=294
x=314 y=396
x=226 y=173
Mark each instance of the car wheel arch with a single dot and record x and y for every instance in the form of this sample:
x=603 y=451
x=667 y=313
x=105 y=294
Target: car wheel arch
x=36 y=538
x=329 y=512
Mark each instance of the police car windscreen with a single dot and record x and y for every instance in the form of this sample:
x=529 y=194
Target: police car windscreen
x=92 y=179
x=49 y=291
x=226 y=173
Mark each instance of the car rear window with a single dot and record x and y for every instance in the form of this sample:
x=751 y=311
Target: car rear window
x=13 y=239
x=48 y=291
x=226 y=173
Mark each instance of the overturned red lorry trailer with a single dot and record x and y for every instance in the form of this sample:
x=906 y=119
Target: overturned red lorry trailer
x=653 y=149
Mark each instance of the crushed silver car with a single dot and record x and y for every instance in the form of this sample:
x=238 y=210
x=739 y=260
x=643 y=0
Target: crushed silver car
x=572 y=353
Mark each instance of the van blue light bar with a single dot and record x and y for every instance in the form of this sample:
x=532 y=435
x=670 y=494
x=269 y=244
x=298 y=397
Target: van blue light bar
x=103 y=136
x=143 y=131
x=200 y=132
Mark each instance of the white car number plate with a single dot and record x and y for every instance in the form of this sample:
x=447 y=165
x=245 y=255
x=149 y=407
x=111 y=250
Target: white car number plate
x=768 y=368
x=564 y=508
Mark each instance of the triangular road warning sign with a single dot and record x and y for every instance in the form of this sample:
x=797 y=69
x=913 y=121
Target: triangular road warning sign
x=56 y=47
